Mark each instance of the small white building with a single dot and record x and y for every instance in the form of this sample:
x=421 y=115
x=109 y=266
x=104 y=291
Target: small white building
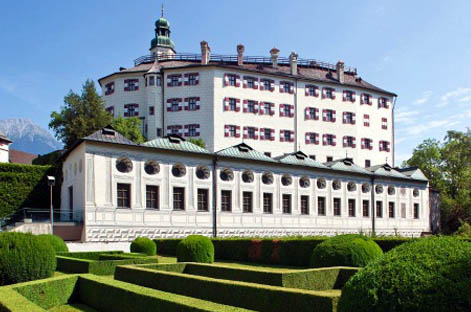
x=169 y=187
x=4 y=148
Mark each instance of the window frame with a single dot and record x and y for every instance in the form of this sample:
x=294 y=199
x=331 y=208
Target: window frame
x=321 y=209
x=202 y=195
x=247 y=206
x=366 y=208
x=337 y=206
x=226 y=200
x=175 y=200
x=304 y=201
x=351 y=210
x=156 y=200
x=125 y=200
x=379 y=209
x=286 y=200
x=267 y=203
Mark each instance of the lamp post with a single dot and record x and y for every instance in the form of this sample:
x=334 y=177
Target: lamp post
x=51 y=181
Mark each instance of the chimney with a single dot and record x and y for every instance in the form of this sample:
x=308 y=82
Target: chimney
x=240 y=54
x=205 y=53
x=274 y=57
x=340 y=71
x=293 y=63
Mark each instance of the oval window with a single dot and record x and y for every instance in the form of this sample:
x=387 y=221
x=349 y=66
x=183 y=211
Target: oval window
x=321 y=183
x=267 y=178
x=247 y=176
x=351 y=186
x=178 y=170
x=202 y=172
x=286 y=180
x=304 y=182
x=336 y=185
x=151 y=167
x=124 y=164
x=226 y=175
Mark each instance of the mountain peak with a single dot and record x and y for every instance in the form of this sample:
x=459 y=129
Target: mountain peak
x=28 y=136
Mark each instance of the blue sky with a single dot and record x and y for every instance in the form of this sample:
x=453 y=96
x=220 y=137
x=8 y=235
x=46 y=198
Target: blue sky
x=420 y=50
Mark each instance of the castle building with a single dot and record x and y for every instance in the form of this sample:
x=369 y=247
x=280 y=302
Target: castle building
x=275 y=104
x=169 y=187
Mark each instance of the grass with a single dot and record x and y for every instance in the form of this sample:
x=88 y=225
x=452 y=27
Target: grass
x=72 y=308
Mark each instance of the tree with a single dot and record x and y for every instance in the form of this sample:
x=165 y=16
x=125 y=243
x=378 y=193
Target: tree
x=80 y=116
x=448 y=167
x=198 y=142
x=130 y=128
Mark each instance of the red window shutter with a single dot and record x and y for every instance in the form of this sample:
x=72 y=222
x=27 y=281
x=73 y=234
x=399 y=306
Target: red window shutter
x=362 y=143
x=316 y=114
x=282 y=137
x=282 y=111
x=261 y=108
x=185 y=106
x=226 y=130
x=255 y=107
x=307 y=116
x=323 y=93
x=237 y=132
x=185 y=80
x=362 y=98
x=291 y=88
x=306 y=90
x=281 y=87
x=354 y=118
x=291 y=136
x=354 y=96
x=169 y=105
x=344 y=97
x=237 y=105
x=262 y=86
x=237 y=81
x=256 y=133
x=272 y=109
x=226 y=104
x=344 y=117
x=197 y=102
x=272 y=85
x=245 y=106
x=226 y=80
x=345 y=141
x=255 y=83
x=246 y=132
x=324 y=115
x=334 y=116
x=291 y=111
x=307 y=138
x=244 y=85
x=272 y=134
x=334 y=140
x=180 y=105
x=324 y=139
x=380 y=146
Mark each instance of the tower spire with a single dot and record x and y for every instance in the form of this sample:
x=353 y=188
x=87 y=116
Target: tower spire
x=162 y=11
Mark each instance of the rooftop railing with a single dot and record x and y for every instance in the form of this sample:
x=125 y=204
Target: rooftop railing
x=232 y=59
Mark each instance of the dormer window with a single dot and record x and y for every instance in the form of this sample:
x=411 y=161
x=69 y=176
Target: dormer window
x=108 y=132
x=109 y=88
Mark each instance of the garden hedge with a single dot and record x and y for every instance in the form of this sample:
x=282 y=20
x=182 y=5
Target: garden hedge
x=430 y=274
x=242 y=294
x=310 y=279
x=347 y=250
x=102 y=294
x=97 y=262
x=144 y=245
x=290 y=251
x=24 y=257
x=195 y=248
x=26 y=186
x=55 y=241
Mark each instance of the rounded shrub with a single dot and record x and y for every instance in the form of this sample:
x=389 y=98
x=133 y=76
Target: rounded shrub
x=25 y=257
x=428 y=274
x=345 y=250
x=55 y=241
x=144 y=245
x=195 y=248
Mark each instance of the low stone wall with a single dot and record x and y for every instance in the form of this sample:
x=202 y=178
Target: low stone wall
x=99 y=246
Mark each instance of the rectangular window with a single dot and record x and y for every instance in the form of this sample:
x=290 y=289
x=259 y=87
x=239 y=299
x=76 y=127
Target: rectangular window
x=192 y=79
x=175 y=106
x=379 y=209
x=312 y=113
x=192 y=104
x=403 y=210
x=286 y=203
x=312 y=91
x=328 y=93
x=250 y=83
x=348 y=95
x=287 y=135
x=124 y=195
x=321 y=206
x=267 y=84
x=330 y=139
x=174 y=81
x=251 y=106
x=391 y=209
x=383 y=102
x=311 y=138
x=110 y=110
x=329 y=115
x=349 y=118
x=192 y=130
x=232 y=131
x=151 y=80
x=266 y=108
x=232 y=79
x=232 y=104
x=226 y=200
x=304 y=204
x=286 y=110
x=366 y=143
x=351 y=207
x=131 y=84
x=267 y=203
x=384 y=146
x=329 y=158
x=109 y=88
x=286 y=87
x=367 y=163
x=267 y=133
x=151 y=110
x=416 y=211
x=251 y=132
x=203 y=199
x=337 y=207
x=247 y=201
x=152 y=197
x=178 y=198
x=366 y=99
x=366 y=120
x=366 y=208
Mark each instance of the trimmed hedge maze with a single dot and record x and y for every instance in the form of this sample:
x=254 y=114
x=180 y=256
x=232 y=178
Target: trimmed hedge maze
x=101 y=294
x=99 y=263
x=225 y=286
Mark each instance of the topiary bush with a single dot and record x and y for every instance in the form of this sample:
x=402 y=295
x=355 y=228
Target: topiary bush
x=55 y=241
x=25 y=257
x=144 y=245
x=429 y=274
x=195 y=248
x=345 y=250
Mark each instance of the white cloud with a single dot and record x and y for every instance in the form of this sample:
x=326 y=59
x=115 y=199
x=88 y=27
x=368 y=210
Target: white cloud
x=406 y=117
x=462 y=95
x=423 y=99
x=423 y=127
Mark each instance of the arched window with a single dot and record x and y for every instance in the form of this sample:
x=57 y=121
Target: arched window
x=321 y=183
x=351 y=186
x=202 y=172
x=267 y=178
x=286 y=180
x=379 y=189
x=304 y=182
x=365 y=187
x=178 y=170
x=124 y=164
x=226 y=174
x=151 y=167
x=336 y=185
x=247 y=176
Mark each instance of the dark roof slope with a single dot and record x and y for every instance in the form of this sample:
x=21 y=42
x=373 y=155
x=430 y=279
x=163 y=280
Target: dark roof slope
x=109 y=135
x=19 y=157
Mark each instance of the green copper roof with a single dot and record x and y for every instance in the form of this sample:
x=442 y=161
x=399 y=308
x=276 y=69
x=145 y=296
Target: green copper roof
x=386 y=171
x=300 y=159
x=346 y=164
x=244 y=151
x=175 y=143
x=414 y=173
x=162 y=41
x=162 y=35
x=162 y=23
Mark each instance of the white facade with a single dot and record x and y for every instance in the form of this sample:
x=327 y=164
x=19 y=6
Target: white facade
x=90 y=170
x=340 y=126
x=4 y=149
